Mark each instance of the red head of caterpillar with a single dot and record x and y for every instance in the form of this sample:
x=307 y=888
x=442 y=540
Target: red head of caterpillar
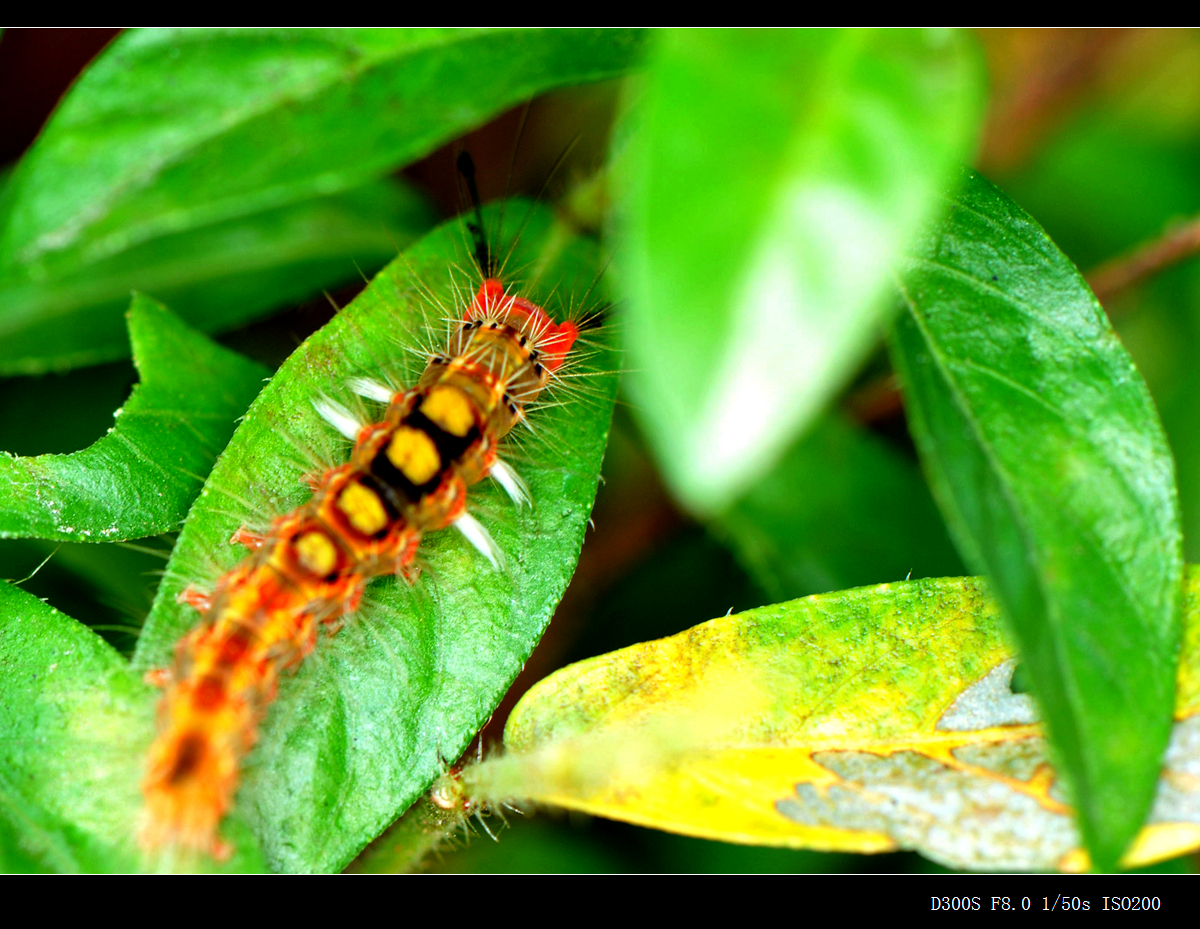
x=554 y=340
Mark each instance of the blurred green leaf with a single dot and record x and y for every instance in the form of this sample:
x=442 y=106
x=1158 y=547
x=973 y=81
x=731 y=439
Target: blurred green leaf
x=421 y=838
x=140 y=478
x=777 y=177
x=535 y=847
x=363 y=728
x=840 y=510
x=214 y=277
x=215 y=145
x=1047 y=457
x=1103 y=187
x=71 y=754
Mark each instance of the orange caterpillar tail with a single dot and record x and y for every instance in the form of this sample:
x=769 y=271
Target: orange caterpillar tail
x=408 y=474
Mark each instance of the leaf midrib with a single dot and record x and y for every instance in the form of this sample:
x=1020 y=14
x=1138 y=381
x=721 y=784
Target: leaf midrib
x=1004 y=481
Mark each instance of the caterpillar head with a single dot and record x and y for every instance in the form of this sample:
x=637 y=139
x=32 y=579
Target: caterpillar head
x=551 y=340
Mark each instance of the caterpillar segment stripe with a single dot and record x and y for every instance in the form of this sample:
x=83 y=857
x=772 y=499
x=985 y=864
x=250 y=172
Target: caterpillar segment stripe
x=414 y=454
x=363 y=509
x=316 y=552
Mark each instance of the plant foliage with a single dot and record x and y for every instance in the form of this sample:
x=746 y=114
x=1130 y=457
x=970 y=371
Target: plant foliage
x=797 y=236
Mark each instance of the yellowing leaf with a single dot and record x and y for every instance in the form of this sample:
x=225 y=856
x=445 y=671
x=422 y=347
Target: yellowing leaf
x=867 y=720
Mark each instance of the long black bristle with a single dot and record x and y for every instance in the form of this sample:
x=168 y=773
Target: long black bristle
x=483 y=255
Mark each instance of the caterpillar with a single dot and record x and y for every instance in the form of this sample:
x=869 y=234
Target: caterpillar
x=407 y=475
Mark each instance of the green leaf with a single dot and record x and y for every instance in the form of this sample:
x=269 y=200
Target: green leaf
x=1101 y=187
x=173 y=129
x=212 y=144
x=865 y=720
x=214 y=277
x=777 y=177
x=1047 y=457
x=841 y=509
x=75 y=727
x=366 y=725
x=140 y=478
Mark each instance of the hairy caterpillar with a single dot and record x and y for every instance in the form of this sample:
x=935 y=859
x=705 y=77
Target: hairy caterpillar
x=362 y=521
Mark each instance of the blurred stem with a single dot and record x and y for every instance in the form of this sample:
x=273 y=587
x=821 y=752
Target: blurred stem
x=1146 y=260
x=1039 y=76
x=874 y=401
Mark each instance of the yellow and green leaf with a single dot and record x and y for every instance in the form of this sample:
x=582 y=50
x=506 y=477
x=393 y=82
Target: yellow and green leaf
x=868 y=720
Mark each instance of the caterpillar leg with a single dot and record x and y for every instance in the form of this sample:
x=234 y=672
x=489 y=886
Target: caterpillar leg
x=315 y=480
x=248 y=537
x=195 y=598
x=158 y=677
x=354 y=600
x=406 y=562
x=336 y=618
